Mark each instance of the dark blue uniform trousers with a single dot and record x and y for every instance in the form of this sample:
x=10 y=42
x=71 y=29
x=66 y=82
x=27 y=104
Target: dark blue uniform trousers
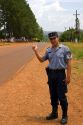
x=58 y=88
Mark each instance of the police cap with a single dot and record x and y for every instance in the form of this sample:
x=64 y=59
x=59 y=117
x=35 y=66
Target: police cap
x=52 y=35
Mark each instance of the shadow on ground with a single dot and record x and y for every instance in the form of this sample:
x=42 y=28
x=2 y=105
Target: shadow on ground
x=38 y=119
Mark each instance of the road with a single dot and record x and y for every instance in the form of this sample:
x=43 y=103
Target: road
x=13 y=58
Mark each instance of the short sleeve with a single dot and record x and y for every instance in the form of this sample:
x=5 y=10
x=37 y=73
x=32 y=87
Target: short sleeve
x=45 y=57
x=68 y=54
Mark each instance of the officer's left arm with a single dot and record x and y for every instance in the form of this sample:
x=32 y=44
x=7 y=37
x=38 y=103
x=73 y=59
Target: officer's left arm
x=68 y=57
x=68 y=71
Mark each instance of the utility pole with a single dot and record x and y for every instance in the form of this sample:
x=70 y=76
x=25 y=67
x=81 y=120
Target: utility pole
x=77 y=25
x=76 y=19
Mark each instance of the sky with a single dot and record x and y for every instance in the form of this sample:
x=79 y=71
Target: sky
x=57 y=15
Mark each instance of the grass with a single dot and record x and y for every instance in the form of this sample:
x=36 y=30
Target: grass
x=77 y=49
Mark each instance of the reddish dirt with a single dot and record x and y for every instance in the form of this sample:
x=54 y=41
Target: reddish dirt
x=24 y=100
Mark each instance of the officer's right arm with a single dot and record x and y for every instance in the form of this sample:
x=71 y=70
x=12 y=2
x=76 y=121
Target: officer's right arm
x=39 y=57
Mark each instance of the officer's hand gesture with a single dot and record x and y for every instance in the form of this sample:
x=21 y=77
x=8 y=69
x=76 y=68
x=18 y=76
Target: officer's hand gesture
x=35 y=47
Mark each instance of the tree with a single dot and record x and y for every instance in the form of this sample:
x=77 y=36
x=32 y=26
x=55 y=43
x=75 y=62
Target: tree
x=18 y=20
x=70 y=35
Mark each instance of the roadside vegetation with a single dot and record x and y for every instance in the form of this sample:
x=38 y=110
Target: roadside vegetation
x=77 y=49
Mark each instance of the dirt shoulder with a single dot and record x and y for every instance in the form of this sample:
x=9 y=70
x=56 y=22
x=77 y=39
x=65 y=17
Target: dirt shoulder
x=24 y=100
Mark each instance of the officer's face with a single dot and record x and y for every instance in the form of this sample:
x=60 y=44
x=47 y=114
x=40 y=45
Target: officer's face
x=54 y=41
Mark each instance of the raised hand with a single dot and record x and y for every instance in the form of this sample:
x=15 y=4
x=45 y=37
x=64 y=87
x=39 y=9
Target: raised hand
x=35 y=47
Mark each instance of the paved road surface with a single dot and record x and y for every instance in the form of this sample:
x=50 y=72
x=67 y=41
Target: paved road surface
x=13 y=58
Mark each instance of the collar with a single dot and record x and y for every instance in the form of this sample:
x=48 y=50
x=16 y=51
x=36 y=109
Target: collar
x=60 y=45
x=57 y=48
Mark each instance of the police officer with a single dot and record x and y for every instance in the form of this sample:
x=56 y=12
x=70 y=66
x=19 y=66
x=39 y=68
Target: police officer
x=58 y=71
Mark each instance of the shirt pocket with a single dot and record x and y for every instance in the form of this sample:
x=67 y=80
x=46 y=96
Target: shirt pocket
x=60 y=55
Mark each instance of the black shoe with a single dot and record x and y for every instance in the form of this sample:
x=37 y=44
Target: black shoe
x=64 y=120
x=52 y=116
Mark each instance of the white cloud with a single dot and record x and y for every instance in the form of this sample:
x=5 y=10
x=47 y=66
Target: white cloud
x=54 y=6
x=76 y=1
x=41 y=6
x=51 y=15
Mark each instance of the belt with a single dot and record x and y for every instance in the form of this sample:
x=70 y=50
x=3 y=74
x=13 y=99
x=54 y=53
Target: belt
x=56 y=70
